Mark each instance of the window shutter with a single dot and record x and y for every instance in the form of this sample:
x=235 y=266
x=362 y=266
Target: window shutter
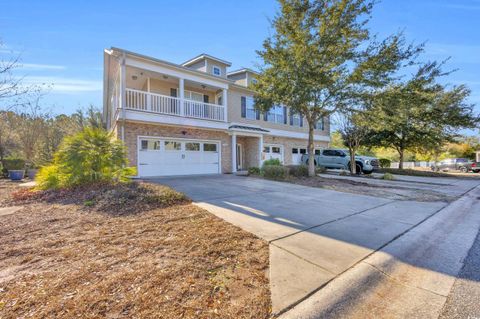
x=323 y=123
x=284 y=115
x=257 y=115
x=173 y=92
x=291 y=118
x=265 y=116
x=244 y=106
x=315 y=125
x=205 y=98
x=301 y=121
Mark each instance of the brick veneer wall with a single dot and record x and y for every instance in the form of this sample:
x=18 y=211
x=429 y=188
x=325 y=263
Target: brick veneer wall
x=133 y=130
x=249 y=144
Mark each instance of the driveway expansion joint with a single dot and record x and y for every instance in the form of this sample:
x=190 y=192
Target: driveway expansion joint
x=331 y=221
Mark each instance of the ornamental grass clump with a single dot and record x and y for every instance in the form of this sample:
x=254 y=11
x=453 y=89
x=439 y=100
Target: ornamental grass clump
x=92 y=155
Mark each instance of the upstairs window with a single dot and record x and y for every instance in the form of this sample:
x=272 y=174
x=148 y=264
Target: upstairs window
x=254 y=81
x=276 y=114
x=216 y=70
x=320 y=125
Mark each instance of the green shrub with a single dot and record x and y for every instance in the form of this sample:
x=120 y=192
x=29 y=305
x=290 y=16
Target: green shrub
x=272 y=161
x=277 y=172
x=388 y=177
x=254 y=171
x=385 y=162
x=298 y=170
x=12 y=163
x=89 y=156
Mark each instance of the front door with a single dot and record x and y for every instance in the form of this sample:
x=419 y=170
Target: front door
x=239 y=157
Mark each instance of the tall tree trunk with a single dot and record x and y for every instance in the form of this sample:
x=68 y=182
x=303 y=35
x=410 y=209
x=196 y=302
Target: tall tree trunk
x=400 y=164
x=353 y=164
x=311 y=151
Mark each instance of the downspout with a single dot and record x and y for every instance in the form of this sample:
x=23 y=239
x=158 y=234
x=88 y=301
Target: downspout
x=123 y=92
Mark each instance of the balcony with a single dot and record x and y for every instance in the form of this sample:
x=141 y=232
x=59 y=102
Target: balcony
x=162 y=104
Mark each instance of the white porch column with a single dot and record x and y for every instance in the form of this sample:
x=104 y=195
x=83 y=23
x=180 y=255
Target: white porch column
x=224 y=101
x=234 y=153
x=123 y=93
x=149 y=97
x=260 y=151
x=181 y=95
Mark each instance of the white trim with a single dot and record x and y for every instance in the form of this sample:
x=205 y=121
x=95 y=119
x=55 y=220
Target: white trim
x=240 y=155
x=219 y=70
x=218 y=142
x=205 y=56
x=159 y=119
x=164 y=70
x=244 y=70
x=234 y=153
x=299 y=135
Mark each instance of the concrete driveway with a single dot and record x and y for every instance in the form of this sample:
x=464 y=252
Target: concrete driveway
x=315 y=234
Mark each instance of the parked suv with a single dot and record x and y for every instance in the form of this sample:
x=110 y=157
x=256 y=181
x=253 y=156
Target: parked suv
x=475 y=167
x=453 y=164
x=340 y=159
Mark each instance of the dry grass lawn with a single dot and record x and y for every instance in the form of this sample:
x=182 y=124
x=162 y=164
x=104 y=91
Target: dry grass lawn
x=79 y=255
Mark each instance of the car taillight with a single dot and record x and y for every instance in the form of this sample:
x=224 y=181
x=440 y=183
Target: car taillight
x=474 y=165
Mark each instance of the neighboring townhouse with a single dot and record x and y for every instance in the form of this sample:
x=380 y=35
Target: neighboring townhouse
x=196 y=117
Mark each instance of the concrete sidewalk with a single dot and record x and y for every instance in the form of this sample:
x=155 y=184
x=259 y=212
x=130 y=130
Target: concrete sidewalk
x=410 y=277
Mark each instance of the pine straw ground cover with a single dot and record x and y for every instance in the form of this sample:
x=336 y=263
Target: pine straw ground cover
x=86 y=253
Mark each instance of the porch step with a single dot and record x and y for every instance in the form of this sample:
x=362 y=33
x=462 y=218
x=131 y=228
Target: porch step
x=241 y=173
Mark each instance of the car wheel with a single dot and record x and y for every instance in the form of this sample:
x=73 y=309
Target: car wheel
x=367 y=172
x=463 y=170
x=358 y=169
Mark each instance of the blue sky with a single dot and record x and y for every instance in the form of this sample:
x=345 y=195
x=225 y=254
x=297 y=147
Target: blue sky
x=62 y=42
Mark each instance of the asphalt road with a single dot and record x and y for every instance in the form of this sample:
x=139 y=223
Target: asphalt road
x=463 y=300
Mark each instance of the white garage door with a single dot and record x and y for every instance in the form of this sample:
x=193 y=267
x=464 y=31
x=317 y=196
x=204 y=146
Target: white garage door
x=271 y=151
x=166 y=157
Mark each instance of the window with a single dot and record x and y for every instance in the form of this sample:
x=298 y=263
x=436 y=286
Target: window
x=329 y=153
x=194 y=96
x=208 y=147
x=276 y=114
x=317 y=152
x=216 y=70
x=173 y=146
x=320 y=125
x=150 y=145
x=276 y=149
x=303 y=151
x=251 y=113
x=296 y=120
x=294 y=150
x=192 y=147
x=254 y=81
x=266 y=149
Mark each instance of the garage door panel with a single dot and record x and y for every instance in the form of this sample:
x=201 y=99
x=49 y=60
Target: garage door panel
x=169 y=160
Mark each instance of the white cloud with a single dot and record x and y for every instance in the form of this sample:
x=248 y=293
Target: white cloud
x=36 y=66
x=65 y=85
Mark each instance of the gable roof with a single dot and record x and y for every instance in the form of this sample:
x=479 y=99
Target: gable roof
x=205 y=56
x=244 y=70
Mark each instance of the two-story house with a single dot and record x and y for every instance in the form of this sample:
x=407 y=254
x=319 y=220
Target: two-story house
x=196 y=117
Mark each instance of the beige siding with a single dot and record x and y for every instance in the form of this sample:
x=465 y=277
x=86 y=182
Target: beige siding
x=239 y=79
x=223 y=67
x=199 y=66
x=235 y=115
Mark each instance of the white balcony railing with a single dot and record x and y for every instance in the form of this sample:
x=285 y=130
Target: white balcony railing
x=163 y=104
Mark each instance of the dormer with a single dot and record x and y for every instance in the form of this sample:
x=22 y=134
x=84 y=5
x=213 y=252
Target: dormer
x=208 y=64
x=244 y=77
